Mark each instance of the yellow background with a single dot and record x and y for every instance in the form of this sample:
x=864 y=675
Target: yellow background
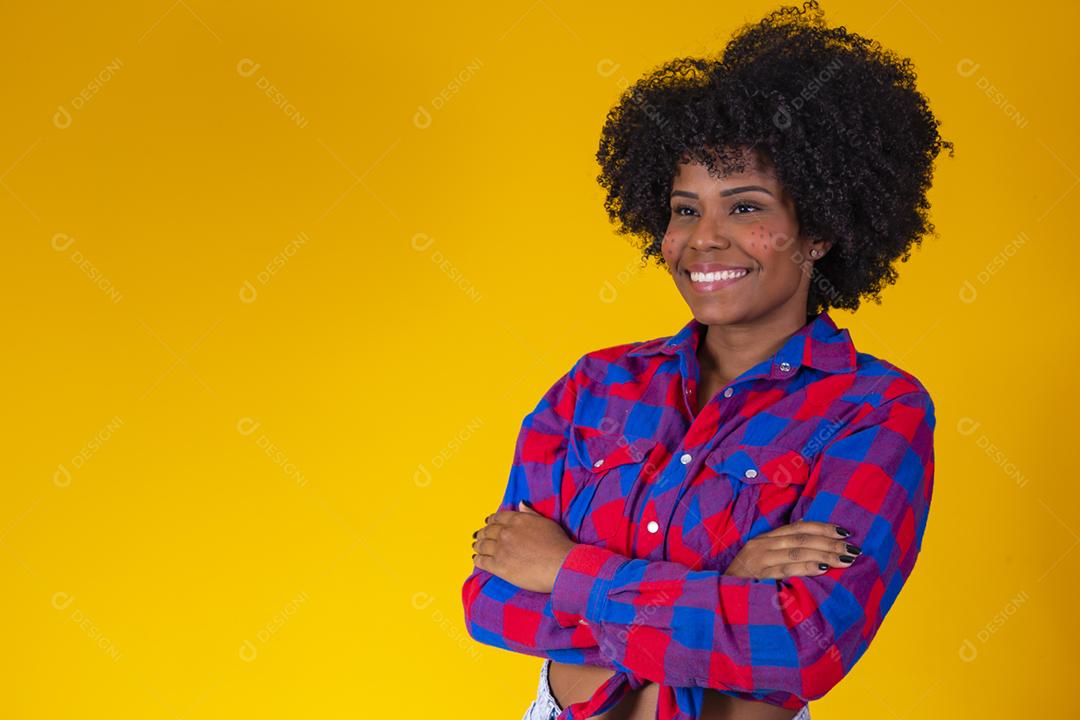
x=266 y=355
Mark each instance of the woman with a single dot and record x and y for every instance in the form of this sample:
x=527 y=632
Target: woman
x=714 y=524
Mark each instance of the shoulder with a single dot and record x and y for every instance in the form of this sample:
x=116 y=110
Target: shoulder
x=878 y=383
x=618 y=363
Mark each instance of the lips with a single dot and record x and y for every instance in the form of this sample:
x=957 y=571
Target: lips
x=717 y=284
x=713 y=267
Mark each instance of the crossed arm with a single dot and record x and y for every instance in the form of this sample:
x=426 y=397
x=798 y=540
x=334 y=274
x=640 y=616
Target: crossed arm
x=686 y=627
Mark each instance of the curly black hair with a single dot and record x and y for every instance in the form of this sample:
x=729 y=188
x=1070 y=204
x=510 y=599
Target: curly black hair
x=837 y=116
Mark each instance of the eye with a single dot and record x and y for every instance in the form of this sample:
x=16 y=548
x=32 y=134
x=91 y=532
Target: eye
x=743 y=205
x=678 y=209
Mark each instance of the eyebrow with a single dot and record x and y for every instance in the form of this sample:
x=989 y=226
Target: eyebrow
x=725 y=193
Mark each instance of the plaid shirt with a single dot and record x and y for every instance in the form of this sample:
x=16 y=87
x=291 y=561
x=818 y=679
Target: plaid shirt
x=661 y=498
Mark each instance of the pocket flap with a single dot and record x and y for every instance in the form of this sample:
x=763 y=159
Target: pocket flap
x=760 y=464
x=601 y=451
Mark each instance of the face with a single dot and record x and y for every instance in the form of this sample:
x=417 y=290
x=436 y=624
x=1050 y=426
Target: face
x=733 y=246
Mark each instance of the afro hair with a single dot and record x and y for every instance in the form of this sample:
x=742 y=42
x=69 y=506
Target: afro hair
x=837 y=117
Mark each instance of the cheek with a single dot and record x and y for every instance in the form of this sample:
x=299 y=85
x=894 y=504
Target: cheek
x=668 y=249
x=774 y=246
x=761 y=243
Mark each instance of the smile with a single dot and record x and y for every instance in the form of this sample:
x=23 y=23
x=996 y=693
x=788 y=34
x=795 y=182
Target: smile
x=707 y=282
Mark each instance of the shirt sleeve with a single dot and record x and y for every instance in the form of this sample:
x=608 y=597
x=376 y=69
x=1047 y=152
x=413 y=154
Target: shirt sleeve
x=499 y=613
x=678 y=626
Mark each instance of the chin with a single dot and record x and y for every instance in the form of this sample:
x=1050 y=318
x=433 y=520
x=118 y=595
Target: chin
x=717 y=313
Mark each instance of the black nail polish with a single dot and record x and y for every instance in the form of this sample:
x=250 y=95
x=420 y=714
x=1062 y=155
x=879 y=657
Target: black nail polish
x=847 y=559
x=822 y=566
x=853 y=549
x=841 y=531
x=476 y=531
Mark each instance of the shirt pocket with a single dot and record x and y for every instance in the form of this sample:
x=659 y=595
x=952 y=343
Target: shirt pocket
x=767 y=481
x=598 y=486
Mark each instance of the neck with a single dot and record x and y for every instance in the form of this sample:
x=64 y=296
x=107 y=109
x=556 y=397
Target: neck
x=728 y=351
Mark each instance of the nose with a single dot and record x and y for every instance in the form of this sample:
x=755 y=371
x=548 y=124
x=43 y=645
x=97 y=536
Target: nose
x=709 y=234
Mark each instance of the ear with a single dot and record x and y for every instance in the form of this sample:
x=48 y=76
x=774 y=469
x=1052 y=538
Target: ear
x=822 y=246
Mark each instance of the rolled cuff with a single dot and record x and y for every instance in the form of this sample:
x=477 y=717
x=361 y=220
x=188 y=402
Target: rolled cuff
x=579 y=594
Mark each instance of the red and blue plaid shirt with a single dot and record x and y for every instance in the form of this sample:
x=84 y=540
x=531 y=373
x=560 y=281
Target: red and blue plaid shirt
x=661 y=498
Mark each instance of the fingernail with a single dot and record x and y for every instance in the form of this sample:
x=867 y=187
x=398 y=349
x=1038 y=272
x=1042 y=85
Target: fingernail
x=853 y=549
x=841 y=531
x=476 y=531
x=822 y=566
x=847 y=559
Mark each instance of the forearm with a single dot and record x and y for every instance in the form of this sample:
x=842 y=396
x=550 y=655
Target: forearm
x=500 y=614
x=684 y=628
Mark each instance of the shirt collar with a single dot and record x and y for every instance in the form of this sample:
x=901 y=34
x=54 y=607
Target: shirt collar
x=819 y=344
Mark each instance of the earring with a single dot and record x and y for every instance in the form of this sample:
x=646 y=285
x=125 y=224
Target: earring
x=815 y=253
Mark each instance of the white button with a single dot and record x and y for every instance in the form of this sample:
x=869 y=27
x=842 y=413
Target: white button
x=598 y=463
x=784 y=367
x=728 y=392
x=686 y=458
x=582 y=622
x=653 y=526
x=751 y=473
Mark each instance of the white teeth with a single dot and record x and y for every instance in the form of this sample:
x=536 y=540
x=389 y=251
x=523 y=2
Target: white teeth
x=714 y=276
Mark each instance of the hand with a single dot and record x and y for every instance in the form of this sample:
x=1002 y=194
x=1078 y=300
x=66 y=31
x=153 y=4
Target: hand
x=793 y=550
x=522 y=547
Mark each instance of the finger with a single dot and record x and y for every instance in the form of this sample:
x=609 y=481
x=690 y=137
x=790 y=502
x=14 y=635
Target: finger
x=476 y=543
x=810 y=526
x=810 y=541
x=485 y=546
x=796 y=555
x=488 y=564
x=525 y=508
x=794 y=569
x=502 y=517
